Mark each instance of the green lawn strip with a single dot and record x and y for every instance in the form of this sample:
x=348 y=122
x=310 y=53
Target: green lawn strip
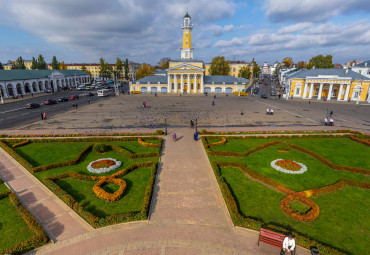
x=13 y=230
x=338 y=212
x=46 y=153
x=132 y=201
x=239 y=145
x=341 y=151
x=317 y=174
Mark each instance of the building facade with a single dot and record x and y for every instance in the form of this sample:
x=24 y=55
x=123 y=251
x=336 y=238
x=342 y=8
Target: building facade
x=234 y=67
x=23 y=82
x=328 y=84
x=362 y=68
x=187 y=74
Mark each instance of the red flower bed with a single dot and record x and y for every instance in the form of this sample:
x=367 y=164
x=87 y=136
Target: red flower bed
x=105 y=163
x=288 y=165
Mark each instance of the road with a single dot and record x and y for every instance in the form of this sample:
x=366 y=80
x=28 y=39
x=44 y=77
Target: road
x=15 y=114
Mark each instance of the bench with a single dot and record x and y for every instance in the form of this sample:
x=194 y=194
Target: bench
x=271 y=237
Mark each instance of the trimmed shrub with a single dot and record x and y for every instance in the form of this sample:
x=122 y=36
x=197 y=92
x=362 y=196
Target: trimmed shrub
x=141 y=142
x=159 y=132
x=21 y=144
x=100 y=147
x=367 y=143
x=101 y=193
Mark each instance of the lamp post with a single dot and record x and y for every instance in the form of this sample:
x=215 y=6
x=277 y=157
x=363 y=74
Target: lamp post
x=196 y=124
x=165 y=124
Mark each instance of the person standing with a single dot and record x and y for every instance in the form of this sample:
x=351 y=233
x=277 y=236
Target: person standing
x=44 y=116
x=331 y=114
x=174 y=136
x=289 y=244
x=213 y=103
x=192 y=123
x=195 y=136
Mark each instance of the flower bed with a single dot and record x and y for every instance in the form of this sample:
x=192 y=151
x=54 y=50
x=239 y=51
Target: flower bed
x=288 y=166
x=104 y=165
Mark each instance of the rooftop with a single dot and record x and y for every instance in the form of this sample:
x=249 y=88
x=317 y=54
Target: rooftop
x=332 y=72
x=10 y=75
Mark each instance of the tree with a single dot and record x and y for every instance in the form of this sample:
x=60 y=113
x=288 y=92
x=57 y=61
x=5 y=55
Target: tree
x=19 y=64
x=54 y=63
x=105 y=69
x=288 y=62
x=34 y=64
x=144 y=70
x=256 y=68
x=41 y=64
x=219 y=66
x=1 y=66
x=164 y=63
x=321 y=61
x=118 y=70
x=84 y=69
x=245 y=72
x=301 y=64
x=62 y=66
x=126 y=69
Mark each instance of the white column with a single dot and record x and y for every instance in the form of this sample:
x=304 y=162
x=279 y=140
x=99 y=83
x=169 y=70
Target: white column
x=188 y=83
x=182 y=83
x=23 y=89
x=304 y=90
x=168 y=83
x=201 y=83
x=15 y=91
x=195 y=83
x=311 y=90
x=347 y=92
x=330 y=91
x=175 y=83
x=340 y=92
x=320 y=91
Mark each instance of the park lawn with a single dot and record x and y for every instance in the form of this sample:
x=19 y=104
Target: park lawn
x=343 y=213
x=13 y=230
x=239 y=145
x=132 y=201
x=317 y=174
x=341 y=151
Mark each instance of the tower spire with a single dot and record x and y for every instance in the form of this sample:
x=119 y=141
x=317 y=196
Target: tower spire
x=187 y=27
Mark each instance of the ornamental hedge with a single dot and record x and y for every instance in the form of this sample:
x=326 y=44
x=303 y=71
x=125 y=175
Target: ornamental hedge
x=38 y=239
x=21 y=144
x=367 y=143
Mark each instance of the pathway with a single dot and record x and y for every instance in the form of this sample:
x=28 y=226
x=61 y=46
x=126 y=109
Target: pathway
x=59 y=220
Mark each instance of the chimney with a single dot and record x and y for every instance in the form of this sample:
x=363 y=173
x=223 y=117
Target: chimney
x=346 y=71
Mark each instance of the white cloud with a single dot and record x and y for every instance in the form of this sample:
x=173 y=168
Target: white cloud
x=299 y=27
x=228 y=28
x=233 y=42
x=112 y=28
x=312 y=10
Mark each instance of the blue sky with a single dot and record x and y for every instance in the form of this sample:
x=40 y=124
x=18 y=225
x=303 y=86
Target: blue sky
x=147 y=30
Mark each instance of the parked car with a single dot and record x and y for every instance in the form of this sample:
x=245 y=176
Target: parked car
x=63 y=99
x=50 y=101
x=273 y=94
x=32 y=105
x=47 y=90
x=81 y=88
x=263 y=96
x=74 y=97
x=90 y=94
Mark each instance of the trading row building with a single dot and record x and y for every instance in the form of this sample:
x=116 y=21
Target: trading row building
x=188 y=75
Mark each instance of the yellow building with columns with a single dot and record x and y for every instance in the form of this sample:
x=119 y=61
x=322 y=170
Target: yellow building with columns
x=187 y=74
x=328 y=84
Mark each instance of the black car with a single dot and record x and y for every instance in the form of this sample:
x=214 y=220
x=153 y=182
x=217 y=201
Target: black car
x=32 y=105
x=50 y=101
x=63 y=99
x=90 y=94
x=264 y=96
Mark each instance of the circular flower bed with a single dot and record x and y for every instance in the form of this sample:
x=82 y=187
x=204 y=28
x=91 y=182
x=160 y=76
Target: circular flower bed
x=104 y=165
x=288 y=166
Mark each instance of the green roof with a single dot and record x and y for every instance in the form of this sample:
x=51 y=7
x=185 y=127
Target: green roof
x=187 y=15
x=9 y=75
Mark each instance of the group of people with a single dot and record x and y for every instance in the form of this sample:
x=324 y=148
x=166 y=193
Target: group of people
x=329 y=121
x=43 y=115
x=269 y=111
x=145 y=105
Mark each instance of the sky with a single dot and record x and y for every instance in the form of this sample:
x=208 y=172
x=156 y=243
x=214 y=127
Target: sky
x=147 y=30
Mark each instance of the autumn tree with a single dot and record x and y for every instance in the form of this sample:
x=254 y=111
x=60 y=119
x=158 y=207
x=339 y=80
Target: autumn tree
x=245 y=72
x=219 y=66
x=19 y=64
x=62 y=66
x=321 y=61
x=301 y=64
x=118 y=69
x=126 y=69
x=164 y=63
x=144 y=70
x=105 y=69
x=288 y=62
x=84 y=69
x=41 y=64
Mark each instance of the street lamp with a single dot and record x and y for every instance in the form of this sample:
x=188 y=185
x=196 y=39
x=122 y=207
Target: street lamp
x=165 y=124
x=196 y=124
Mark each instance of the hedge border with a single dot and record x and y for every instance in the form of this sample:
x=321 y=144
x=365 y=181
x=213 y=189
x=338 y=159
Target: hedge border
x=79 y=135
x=39 y=237
x=359 y=140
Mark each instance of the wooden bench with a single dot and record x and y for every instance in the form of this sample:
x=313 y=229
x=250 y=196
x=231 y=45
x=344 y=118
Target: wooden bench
x=271 y=237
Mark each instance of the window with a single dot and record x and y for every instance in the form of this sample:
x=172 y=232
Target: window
x=192 y=86
x=198 y=86
x=234 y=69
x=297 y=91
x=186 y=41
x=173 y=85
x=179 y=86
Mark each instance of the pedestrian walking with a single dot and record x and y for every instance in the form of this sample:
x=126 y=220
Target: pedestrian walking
x=213 y=103
x=42 y=116
x=76 y=106
x=195 y=136
x=192 y=123
x=174 y=136
x=214 y=97
x=268 y=111
x=22 y=95
x=331 y=114
x=309 y=101
x=89 y=101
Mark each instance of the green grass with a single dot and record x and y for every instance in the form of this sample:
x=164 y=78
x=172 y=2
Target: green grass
x=344 y=224
x=343 y=221
x=132 y=201
x=13 y=229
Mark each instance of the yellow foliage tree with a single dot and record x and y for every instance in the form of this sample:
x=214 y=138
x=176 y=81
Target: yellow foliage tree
x=144 y=70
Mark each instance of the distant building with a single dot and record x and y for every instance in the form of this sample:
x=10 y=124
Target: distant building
x=23 y=82
x=362 y=68
x=327 y=84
